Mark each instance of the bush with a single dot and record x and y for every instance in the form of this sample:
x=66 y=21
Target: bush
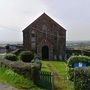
x=17 y=51
x=79 y=58
x=71 y=74
x=26 y=56
x=11 y=57
x=81 y=78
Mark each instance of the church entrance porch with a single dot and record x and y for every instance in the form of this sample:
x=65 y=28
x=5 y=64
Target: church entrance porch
x=45 y=52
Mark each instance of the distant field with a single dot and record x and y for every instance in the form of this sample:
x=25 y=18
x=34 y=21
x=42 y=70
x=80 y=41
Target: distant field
x=59 y=70
x=78 y=44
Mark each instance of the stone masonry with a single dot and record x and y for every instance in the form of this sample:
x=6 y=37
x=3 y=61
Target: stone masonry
x=46 y=38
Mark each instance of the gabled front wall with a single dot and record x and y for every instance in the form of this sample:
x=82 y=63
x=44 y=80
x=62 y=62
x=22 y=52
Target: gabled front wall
x=55 y=38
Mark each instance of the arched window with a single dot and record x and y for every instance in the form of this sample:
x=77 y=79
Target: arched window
x=33 y=33
x=33 y=37
x=44 y=27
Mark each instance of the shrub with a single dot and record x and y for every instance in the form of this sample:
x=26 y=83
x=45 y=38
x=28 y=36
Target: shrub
x=17 y=51
x=81 y=78
x=26 y=56
x=11 y=57
x=79 y=58
x=71 y=74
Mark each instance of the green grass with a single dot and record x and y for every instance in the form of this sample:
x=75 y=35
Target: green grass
x=13 y=79
x=16 y=80
x=60 y=68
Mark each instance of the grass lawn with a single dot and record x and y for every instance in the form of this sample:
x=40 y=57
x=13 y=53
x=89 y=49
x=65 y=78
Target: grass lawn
x=60 y=74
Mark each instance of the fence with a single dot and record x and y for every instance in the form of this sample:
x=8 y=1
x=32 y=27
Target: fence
x=50 y=81
x=46 y=80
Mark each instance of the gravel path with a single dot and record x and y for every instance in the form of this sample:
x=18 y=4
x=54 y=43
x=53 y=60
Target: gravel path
x=6 y=87
x=58 y=80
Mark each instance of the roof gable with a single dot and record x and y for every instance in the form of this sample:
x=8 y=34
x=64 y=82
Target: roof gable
x=49 y=18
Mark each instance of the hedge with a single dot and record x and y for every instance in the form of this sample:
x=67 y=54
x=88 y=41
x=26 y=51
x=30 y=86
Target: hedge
x=81 y=78
x=17 y=51
x=11 y=57
x=79 y=58
x=70 y=52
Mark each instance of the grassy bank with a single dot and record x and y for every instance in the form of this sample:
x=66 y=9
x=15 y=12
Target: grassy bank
x=16 y=80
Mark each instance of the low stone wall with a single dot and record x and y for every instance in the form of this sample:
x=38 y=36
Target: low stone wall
x=17 y=66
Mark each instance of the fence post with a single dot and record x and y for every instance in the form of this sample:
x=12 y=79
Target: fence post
x=35 y=73
x=52 y=81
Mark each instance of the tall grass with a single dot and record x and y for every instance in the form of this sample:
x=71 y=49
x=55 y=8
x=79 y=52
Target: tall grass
x=16 y=80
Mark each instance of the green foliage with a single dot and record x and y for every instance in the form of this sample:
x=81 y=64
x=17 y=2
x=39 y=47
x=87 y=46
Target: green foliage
x=73 y=52
x=26 y=56
x=77 y=52
x=71 y=74
x=17 y=74
x=81 y=78
x=61 y=69
x=17 y=52
x=11 y=57
x=16 y=80
x=79 y=58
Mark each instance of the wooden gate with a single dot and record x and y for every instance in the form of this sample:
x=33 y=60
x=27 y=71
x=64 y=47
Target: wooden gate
x=46 y=80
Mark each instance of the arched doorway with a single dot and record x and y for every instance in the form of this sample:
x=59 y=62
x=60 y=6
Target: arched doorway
x=45 y=52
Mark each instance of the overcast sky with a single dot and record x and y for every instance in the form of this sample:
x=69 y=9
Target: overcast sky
x=73 y=15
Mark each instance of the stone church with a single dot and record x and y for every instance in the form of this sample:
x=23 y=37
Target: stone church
x=46 y=38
